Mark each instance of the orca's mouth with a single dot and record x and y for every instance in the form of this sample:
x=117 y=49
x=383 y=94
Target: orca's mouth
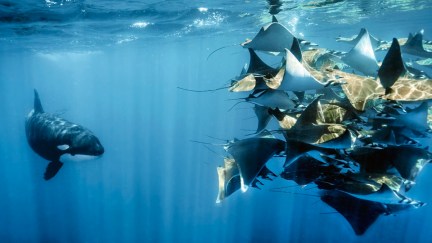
x=99 y=151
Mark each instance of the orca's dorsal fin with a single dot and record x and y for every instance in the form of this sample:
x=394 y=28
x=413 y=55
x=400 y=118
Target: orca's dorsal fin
x=274 y=19
x=37 y=104
x=392 y=66
x=295 y=49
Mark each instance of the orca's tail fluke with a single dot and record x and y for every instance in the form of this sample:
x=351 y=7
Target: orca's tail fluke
x=52 y=169
x=37 y=104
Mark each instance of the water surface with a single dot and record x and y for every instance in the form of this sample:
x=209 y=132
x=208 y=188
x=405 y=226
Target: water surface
x=114 y=67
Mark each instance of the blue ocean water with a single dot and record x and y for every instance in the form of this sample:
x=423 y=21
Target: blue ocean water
x=115 y=67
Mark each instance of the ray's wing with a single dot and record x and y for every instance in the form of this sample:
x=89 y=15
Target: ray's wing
x=263 y=117
x=272 y=38
x=414 y=45
x=306 y=169
x=416 y=119
x=296 y=77
x=272 y=99
x=312 y=114
x=392 y=67
x=252 y=154
x=353 y=40
x=256 y=65
x=362 y=56
x=229 y=179
x=360 y=214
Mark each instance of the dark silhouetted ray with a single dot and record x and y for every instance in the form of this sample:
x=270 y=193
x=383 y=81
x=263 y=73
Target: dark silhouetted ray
x=408 y=160
x=272 y=99
x=414 y=46
x=361 y=214
x=252 y=154
x=263 y=116
x=295 y=50
x=392 y=67
x=306 y=169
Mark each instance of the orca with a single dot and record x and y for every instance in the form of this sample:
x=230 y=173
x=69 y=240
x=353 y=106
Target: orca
x=51 y=137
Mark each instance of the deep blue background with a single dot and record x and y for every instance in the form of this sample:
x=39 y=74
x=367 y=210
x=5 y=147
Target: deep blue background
x=153 y=184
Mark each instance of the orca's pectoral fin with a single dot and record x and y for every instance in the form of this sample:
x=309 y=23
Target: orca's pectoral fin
x=52 y=169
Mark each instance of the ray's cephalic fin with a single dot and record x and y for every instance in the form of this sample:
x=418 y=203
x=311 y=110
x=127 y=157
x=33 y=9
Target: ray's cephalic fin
x=392 y=67
x=37 y=103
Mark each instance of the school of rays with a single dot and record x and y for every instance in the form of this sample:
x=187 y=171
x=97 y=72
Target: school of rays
x=355 y=128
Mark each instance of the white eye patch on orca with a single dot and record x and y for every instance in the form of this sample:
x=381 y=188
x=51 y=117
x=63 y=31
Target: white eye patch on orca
x=63 y=147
